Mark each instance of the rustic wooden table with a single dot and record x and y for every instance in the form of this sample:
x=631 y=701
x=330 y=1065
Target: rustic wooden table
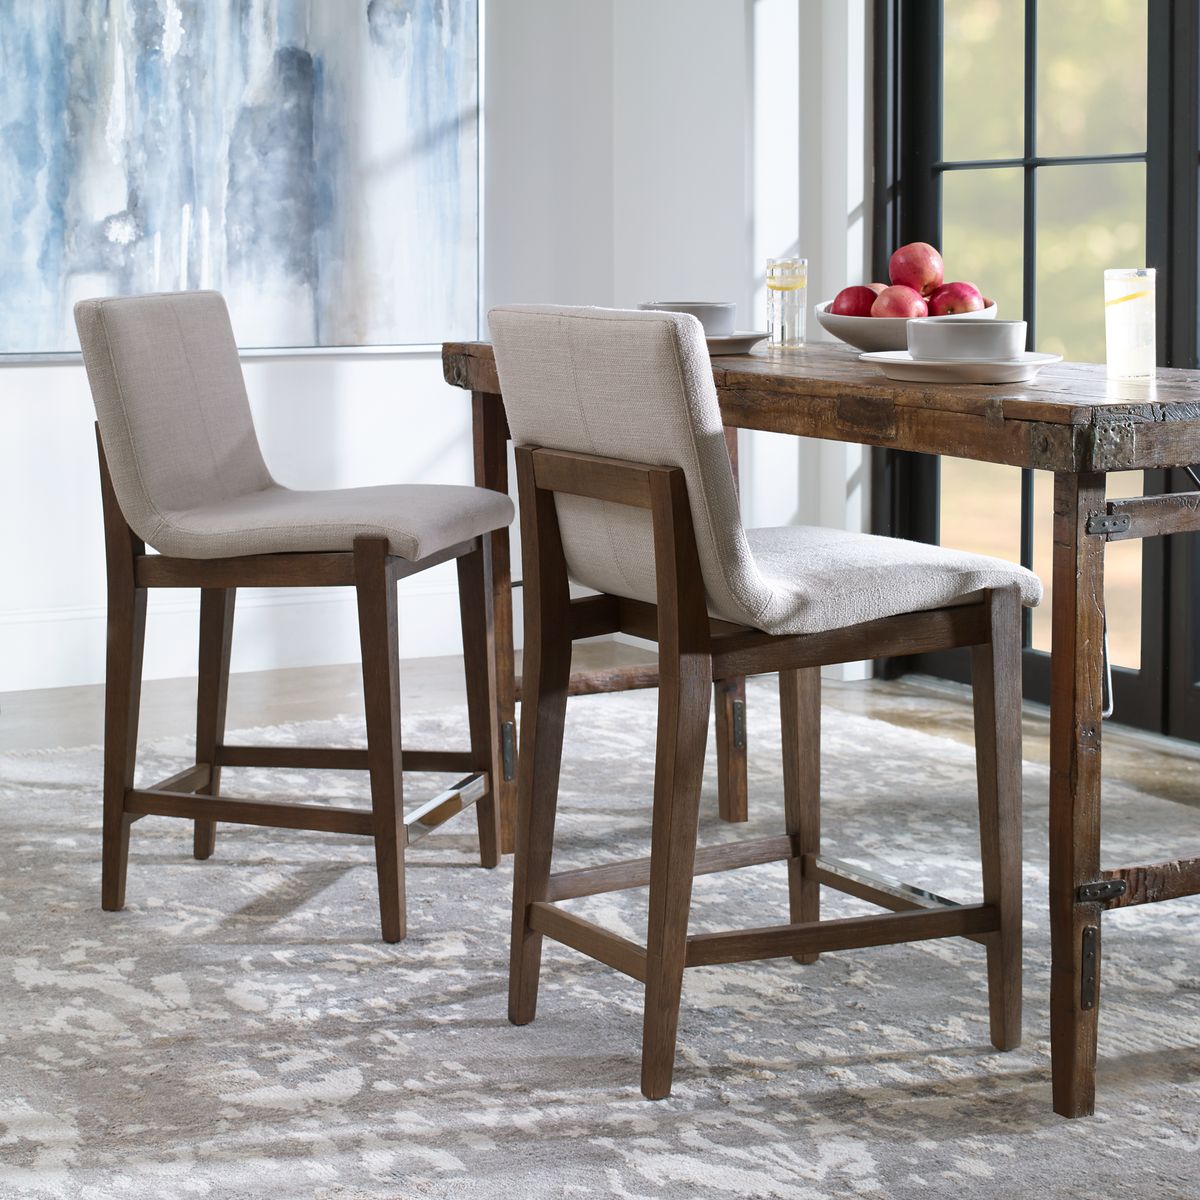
x=1072 y=421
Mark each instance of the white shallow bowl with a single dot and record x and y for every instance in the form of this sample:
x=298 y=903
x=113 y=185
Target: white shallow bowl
x=958 y=337
x=883 y=333
x=715 y=315
x=734 y=343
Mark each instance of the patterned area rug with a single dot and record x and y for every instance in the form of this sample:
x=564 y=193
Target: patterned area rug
x=239 y=1031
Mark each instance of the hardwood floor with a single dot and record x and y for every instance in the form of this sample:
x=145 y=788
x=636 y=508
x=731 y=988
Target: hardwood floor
x=74 y=716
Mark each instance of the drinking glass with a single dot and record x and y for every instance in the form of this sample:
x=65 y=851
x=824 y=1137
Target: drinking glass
x=787 y=295
x=1129 y=329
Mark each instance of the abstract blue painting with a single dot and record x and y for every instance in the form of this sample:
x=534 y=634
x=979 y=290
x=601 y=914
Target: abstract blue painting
x=315 y=160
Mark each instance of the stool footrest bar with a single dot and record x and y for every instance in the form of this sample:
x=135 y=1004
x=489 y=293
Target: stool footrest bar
x=867 y=885
x=301 y=758
x=277 y=814
x=818 y=937
x=635 y=873
x=876 y=889
x=271 y=813
x=190 y=779
x=445 y=805
x=588 y=938
x=339 y=758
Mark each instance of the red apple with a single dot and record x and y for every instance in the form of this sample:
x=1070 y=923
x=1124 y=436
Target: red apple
x=899 y=301
x=955 y=298
x=877 y=287
x=918 y=266
x=853 y=302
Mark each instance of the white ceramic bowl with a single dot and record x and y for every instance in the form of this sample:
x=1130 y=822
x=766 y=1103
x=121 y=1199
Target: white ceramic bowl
x=715 y=315
x=958 y=337
x=883 y=333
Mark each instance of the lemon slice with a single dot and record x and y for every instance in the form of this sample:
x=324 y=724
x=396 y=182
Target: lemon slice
x=1123 y=299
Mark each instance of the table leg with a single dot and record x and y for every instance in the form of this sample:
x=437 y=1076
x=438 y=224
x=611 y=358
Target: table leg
x=730 y=703
x=1075 y=707
x=490 y=437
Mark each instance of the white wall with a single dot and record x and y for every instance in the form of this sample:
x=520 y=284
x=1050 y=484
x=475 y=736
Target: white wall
x=633 y=148
x=548 y=133
x=645 y=149
x=681 y=152
x=324 y=422
x=834 y=215
x=811 y=198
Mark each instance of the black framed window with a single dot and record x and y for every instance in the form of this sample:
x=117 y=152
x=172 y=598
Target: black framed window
x=1037 y=142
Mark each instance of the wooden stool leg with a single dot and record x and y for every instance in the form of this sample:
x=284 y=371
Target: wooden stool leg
x=122 y=700
x=474 y=602
x=546 y=675
x=679 y=768
x=212 y=695
x=800 y=709
x=490 y=435
x=379 y=635
x=730 y=698
x=545 y=678
x=996 y=685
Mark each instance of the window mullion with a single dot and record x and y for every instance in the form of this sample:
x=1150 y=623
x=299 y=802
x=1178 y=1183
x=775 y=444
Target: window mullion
x=1029 y=281
x=1029 y=257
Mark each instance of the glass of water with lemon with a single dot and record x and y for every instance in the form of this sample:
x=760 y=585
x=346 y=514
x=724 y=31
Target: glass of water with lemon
x=1129 y=327
x=787 y=295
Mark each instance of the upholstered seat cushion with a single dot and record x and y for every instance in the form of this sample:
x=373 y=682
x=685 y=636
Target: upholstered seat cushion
x=827 y=578
x=185 y=461
x=639 y=386
x=418 y=520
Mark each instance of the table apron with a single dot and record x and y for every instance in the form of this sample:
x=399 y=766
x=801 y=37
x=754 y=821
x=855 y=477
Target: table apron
x=1115 y=438
x=1119 y=443
x=1128 y=441
x=979 y=437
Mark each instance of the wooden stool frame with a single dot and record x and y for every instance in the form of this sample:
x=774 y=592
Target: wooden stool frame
x=694 y=651
x=195 y=793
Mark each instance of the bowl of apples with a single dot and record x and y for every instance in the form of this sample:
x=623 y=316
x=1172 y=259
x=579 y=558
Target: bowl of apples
x=875 y=316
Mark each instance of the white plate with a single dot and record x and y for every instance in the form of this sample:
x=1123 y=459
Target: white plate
x=900 y=365
x=733 y=343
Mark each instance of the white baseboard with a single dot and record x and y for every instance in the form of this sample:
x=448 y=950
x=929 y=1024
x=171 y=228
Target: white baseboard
x=286 y=627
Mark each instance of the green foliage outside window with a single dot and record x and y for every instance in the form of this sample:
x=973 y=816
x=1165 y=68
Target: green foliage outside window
x=1091 y=100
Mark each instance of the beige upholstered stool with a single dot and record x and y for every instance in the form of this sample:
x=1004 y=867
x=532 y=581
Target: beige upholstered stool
x=181 y=471
x=625 y=487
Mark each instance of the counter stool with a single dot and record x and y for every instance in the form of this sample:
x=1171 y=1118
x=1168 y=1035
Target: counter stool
x=625 y=488
x=181 y=471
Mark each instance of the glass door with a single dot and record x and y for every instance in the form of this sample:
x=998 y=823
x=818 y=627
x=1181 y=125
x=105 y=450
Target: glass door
x=1036 y=155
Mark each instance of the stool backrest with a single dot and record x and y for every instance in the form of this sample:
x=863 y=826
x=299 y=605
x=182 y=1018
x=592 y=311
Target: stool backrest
x=171 y=403
x=636 y=386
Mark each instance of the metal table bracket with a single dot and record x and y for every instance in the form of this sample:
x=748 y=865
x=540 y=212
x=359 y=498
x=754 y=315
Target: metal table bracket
x=1102 y=890
x=1108 y=523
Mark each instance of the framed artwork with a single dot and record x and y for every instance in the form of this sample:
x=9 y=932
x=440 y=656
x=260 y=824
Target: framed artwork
x=317 y=161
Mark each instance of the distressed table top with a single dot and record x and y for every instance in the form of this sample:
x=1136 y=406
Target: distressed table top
x=1071 y=418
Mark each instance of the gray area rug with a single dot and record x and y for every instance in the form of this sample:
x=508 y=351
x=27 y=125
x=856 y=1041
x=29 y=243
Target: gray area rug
x=239 y=1031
